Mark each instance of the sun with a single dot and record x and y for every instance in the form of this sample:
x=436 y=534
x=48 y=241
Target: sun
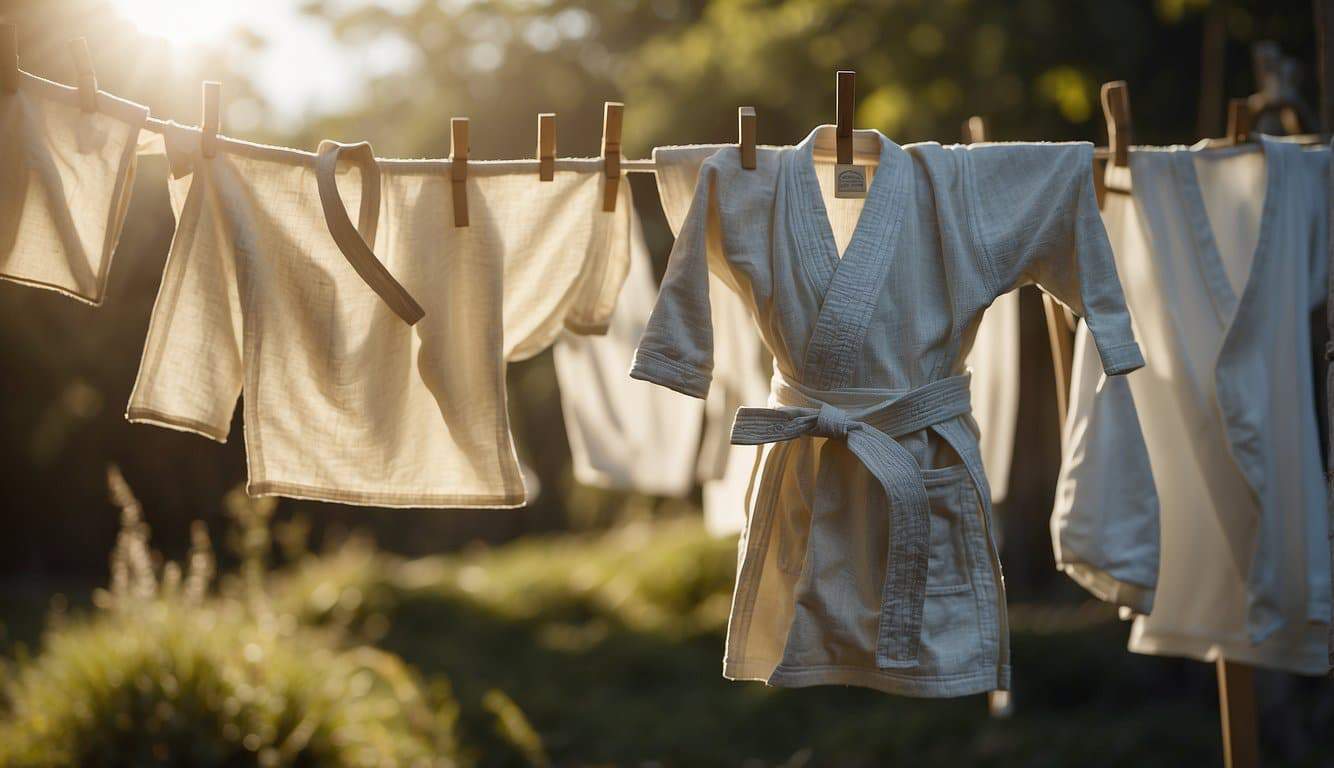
x=188 y=22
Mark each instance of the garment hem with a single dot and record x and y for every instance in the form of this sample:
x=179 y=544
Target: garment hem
x=381 y=499
x=1210 y=650
x=656 y=369
x=94 y=300
x=141 y=415
x=932 y=686
x=1109 y=588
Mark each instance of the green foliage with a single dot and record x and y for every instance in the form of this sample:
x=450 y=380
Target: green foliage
x=166 y=674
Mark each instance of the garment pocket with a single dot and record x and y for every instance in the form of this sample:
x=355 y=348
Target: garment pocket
x=952 y=496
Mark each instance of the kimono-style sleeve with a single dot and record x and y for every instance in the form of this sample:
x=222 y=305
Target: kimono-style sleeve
x=191 y=372
x=677 y=348
x=1105 y=521
x=1035 y=215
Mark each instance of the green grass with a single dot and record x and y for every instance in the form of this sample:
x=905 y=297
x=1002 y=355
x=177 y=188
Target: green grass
x=604 y=649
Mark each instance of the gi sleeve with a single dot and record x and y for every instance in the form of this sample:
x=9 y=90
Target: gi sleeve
x=676 y=350
x=1104 y=525
x=1036 y=217
x=191 y=372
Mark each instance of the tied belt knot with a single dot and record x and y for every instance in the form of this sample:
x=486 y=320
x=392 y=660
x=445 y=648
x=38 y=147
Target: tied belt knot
x=871 y=433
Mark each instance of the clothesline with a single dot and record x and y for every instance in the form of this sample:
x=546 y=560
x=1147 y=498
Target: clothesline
x=631 y=165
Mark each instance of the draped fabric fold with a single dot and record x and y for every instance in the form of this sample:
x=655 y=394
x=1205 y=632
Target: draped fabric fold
x=870 y=434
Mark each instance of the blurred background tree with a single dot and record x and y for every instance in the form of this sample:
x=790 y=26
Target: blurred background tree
x=393 y=72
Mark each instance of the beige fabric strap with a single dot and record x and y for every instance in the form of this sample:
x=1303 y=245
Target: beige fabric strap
x=352 y=241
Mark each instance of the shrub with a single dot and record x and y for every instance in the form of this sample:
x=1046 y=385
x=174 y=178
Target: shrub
x=166 y=673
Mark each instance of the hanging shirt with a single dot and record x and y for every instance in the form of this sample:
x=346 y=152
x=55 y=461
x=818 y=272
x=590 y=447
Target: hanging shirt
x=743 y=367
x=868 y=558
x=65 y=180
x=625 y=435
x=1224 y=256
x=344 y=401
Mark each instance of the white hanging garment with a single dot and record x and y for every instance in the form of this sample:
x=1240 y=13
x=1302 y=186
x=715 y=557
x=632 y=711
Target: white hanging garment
x=742 y=366
x=994 y=363
x=65 y=181
x=624 y=434
x=1223 y=253
x=344 y=401
x=867 y=558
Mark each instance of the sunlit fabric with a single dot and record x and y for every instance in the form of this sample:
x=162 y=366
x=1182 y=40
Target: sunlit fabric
x=65 y=180
x=343 y=401
x=1223 y=252
x=868 y=558
x=743 y=367
x=624 y=434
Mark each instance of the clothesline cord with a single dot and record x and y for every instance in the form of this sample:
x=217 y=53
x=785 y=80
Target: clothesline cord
x=642 y=165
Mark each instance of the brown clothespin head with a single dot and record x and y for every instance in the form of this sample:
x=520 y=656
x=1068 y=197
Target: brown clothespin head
x=612 y=113
x=845 y=102
x=9 y=58
x=974 y=130
x=84 y=75
x=1238 y=121
x=546 y=146
x=1116 y=111
x=745 y=132
x=458 y=168
x=208 y=127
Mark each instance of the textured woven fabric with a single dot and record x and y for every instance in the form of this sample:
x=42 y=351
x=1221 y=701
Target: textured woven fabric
x=742 y=367
x=624 y=434
x=941 y=233
x=65 y=179
x=1224 y=252
x=343 y=401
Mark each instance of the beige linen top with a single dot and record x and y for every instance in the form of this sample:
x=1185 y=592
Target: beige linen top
x=343 y=400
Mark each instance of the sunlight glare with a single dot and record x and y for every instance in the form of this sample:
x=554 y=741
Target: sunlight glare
x=186 y=22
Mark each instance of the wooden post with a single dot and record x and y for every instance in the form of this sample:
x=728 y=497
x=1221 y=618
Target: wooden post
x=1236 y=706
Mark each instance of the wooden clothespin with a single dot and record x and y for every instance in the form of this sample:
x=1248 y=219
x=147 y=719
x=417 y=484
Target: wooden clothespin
x=458 y=168
x=845 y=102
x=1116 y=111
x=1238 y=121
x=745 y=132
x=546 y=146
x=9 y=58
x=974 y=130
x=84 y=75
x=612 y=114
x=212 y=122
x=849 y=178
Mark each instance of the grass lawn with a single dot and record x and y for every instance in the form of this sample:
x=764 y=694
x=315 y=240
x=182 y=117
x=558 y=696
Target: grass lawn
x=606 y=650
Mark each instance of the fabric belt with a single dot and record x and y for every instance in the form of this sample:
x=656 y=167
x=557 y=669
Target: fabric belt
x=355 y=242
x=870 y=433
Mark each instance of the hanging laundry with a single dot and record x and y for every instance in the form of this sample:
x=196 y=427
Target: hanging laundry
x=1224 y=256
x=624 y=434
x=743 y=367
x=65 y=181
x=868 y=558
x=993 y=362
x=344 y=402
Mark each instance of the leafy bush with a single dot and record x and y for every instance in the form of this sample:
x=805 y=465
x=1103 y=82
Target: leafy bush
x=166 y=673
